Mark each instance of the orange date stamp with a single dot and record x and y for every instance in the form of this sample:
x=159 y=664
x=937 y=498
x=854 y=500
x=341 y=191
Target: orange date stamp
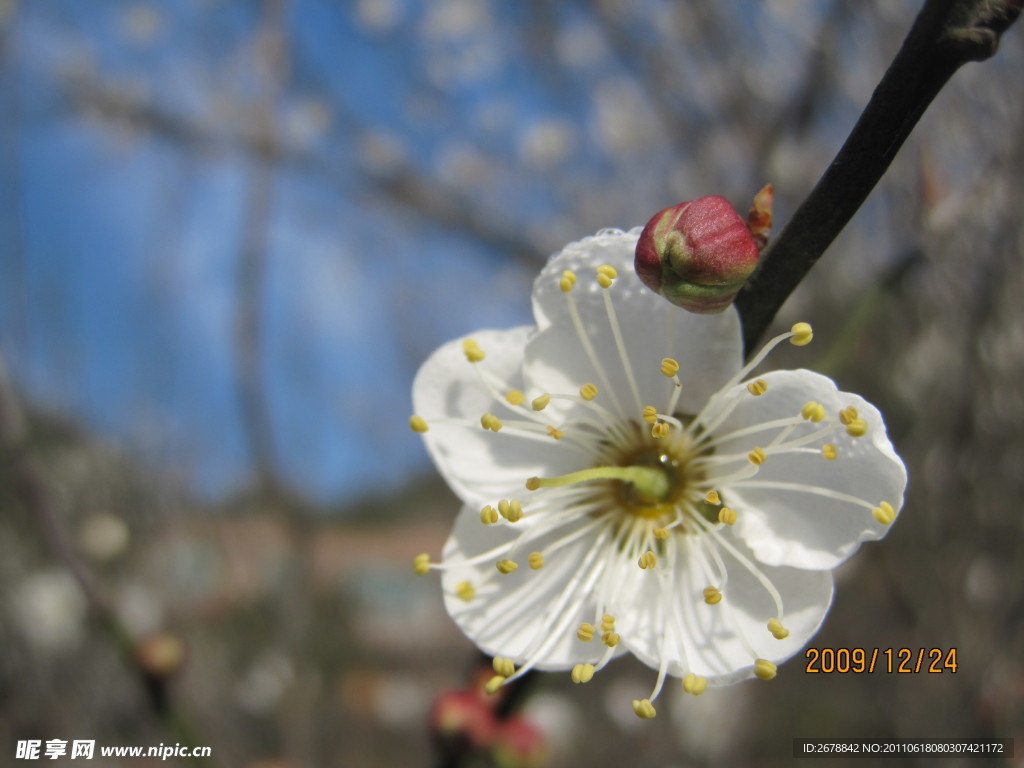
x=888 y=660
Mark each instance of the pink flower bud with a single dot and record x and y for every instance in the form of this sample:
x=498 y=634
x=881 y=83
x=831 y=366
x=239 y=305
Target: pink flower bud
x=697 y=254
x=519 y=744
x=458 y=715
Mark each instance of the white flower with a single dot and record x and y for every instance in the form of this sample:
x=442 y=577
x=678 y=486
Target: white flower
x=627 y=488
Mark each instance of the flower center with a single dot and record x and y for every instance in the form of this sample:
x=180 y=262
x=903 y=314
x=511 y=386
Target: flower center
x=650 y=478
x=653 y=500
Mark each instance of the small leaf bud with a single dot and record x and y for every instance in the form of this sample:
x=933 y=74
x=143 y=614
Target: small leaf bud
x=759 y=219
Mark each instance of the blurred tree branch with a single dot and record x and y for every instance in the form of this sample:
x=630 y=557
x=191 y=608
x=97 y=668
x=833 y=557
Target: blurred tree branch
x=403 y=184
x=250 y=294
x=946 y=35
x=31 y=489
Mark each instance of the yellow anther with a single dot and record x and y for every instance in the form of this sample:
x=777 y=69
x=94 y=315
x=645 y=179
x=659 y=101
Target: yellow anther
x=884 y=513
x=540 y=403
x=532 y=483
x=511 y=510
x=848 y=415
x=712 y=595
x=421 y=563
x=644 y=709
x=567 y=281
x=695 y=684
x=660 y=533
x=504 y=666
x=555 y=432
x=465 y=591
x=588 y=391
x=647 y=560
x=494 y=684
x=757 y=457
x=515 y=511
x=585 y=633
x=418 y=424
x=488 y=515
x=758 y=387
x=515 y=397
x=582 y=673
x=490 y=421
x=606 y=273
x=536 y=560
x=712 y=497
x=778 y=631
x=650 y=414
x=765 y=669
x=802 y=334
x=669 y=367
x=857 y=428
x=813 y=411
x=829 y=451
x=660 y=429
x=506 y=566
x=607 y=622
x=727 y=515
x=611 y=639
x=473 y=352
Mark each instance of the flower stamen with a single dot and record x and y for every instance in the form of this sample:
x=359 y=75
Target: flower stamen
x=584 y=338
x=503 y=666
x=472 y=351
x=617 y=334
x=582 y=673
x=491 y=422
x=695 y=684
x=778 y=631
x=644 y=709
x=884 y=513
x=752 y=569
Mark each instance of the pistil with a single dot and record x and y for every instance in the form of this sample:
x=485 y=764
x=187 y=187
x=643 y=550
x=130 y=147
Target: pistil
x=648 y=482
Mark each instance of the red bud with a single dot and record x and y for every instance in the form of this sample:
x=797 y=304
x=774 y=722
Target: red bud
x=697 y=254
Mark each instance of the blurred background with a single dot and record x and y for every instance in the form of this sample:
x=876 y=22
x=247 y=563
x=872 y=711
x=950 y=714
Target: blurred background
x=231 y=230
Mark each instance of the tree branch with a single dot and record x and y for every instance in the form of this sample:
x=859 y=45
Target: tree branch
x=946 y=35
x=30 y=487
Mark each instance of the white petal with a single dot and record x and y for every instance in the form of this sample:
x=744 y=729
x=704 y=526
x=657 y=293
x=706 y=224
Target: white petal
x=481 y=466
x=708 y=347
x=667 y=618
x=515 y=614
x=609 y=246
x=802 y=529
